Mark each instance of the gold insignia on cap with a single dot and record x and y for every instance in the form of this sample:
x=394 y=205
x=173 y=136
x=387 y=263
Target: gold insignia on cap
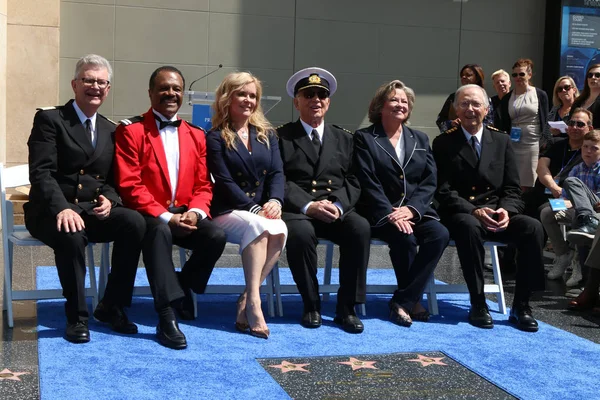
x=314 y=79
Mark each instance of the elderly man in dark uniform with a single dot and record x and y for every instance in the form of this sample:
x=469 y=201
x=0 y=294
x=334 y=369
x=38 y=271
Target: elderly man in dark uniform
x=479 y=199
x=73 y=201
x=320 y=193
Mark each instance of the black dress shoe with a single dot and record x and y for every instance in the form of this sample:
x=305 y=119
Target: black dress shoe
x=169 y=335
x=311 y=319
x=349 y=323
x=77 y=332
x=185 y=310
x=479 y=316
x=521 y=316
x=117 y=319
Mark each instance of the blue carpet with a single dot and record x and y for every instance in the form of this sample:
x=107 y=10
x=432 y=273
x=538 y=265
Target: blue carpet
x=220 y=362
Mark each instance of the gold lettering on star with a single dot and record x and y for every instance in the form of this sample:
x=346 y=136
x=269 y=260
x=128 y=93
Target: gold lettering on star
x=288 y=367
x=425 y=361
x=355 y=363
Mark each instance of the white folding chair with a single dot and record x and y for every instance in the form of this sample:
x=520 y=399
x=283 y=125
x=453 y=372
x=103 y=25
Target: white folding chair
x=17 y=235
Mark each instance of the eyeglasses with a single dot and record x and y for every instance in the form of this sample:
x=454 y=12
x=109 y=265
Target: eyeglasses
x=309 y=94
x=578 y=124
x=474 y=104
x=89 y=82
x=593 y=74
x=514 y=74
x=566 y=88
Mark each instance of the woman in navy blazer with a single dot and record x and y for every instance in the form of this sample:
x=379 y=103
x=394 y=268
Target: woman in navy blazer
x=398 y=178
x=244 y=160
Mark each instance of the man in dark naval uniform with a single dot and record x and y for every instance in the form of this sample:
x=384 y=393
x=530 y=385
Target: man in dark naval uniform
x=73 y=201
x=320 y=193
x=479 y=199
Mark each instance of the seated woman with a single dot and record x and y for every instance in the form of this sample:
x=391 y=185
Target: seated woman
x=397 y=173
x=243 y=158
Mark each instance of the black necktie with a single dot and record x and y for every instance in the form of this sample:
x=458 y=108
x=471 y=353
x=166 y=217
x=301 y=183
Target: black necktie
x=315 y=141
x=164 y=124
x=474 y=146
x=88 y=129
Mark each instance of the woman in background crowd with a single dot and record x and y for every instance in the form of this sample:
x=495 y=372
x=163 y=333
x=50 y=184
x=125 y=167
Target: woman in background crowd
x=397 y=174
x=524 y=114
x=243 y=157
x=564 y=94
x=589 y=97
x=469 y=74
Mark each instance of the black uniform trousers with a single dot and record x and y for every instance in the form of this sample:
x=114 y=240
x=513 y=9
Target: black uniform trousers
x=352 y=235
x=123 y=226
x=207 y=244
x=413 y=267
x=525 y=233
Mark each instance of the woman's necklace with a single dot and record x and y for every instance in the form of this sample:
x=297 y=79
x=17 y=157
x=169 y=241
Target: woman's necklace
x=244 y=134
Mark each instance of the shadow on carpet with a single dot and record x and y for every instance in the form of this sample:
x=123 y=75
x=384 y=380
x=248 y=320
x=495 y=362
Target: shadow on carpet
x=221 y=363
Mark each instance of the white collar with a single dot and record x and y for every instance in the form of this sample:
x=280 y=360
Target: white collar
x=309 y=129
x=83 y=117
x=478 y=135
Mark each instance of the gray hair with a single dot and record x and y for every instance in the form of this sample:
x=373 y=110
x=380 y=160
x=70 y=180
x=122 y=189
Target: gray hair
x=486 y=99
x=93 y=60
x=500 y=72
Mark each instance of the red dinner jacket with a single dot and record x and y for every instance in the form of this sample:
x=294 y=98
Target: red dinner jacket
x=141 y=172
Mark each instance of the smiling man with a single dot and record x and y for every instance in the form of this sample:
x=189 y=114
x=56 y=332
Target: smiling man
x=73 y=201
x=161 y=172
x=320 y=194
x=479 y=199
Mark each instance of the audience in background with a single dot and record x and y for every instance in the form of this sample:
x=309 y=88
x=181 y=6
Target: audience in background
x=589 y=97
x=501 y=82
x=523 y=114
x=563 y=96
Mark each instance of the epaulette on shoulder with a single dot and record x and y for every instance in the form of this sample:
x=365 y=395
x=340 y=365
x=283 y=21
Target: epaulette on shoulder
x=344 y=129
x=283 y=125
x=132 y=120
x=493 y=128
x=48 y=108
x=108 y=119
x=453 y=129
x=196 y=126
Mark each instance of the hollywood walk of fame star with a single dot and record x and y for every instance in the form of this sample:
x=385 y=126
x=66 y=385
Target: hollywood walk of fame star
x=355 y=363
x=7 y=374
x=425 y=361
x=288 y=366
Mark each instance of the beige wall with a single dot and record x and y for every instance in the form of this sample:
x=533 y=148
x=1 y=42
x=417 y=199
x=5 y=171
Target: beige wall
x=364 y=43
x=32 y=68
x=3 y=21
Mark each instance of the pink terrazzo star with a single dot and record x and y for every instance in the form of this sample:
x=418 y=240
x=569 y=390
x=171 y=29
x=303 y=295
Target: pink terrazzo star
x=6 y=374
x=425 y=361
x=288 y=366
x=355 y=363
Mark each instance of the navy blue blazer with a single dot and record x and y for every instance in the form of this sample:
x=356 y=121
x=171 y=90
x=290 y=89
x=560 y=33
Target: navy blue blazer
x=244 y=181
x=386 y=183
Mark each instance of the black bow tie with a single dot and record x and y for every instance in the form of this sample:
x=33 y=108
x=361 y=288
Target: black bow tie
x=164 y=124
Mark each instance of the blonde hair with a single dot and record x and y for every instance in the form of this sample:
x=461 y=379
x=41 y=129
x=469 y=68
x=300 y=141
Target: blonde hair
x=231 y=84
x=555 y=99
x=500 y=72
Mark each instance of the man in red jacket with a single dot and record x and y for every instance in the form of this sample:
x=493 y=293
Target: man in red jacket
x=161 y=172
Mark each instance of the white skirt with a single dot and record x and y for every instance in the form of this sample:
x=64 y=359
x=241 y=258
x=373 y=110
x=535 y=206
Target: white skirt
x=242 y=227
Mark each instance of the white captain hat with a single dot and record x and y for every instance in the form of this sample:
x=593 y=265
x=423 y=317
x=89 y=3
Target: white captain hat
x=311 y=77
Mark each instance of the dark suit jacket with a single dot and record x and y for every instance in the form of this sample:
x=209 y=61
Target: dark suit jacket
x=65 y=170
x=244 y=181
x=310 y=177
x=543 y=109
x=385 y=183
x=465 y=184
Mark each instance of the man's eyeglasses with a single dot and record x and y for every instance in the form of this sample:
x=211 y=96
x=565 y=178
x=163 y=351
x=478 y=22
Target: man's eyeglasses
x=474 y=104
x=89 y=82
x=593 y=74
x=566 y=88
x=309 y=94
x=578 y=124
x=521 y=74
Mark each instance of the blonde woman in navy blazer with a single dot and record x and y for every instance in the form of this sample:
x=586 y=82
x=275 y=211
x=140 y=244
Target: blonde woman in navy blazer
x=397 y=175
x=244 y=160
